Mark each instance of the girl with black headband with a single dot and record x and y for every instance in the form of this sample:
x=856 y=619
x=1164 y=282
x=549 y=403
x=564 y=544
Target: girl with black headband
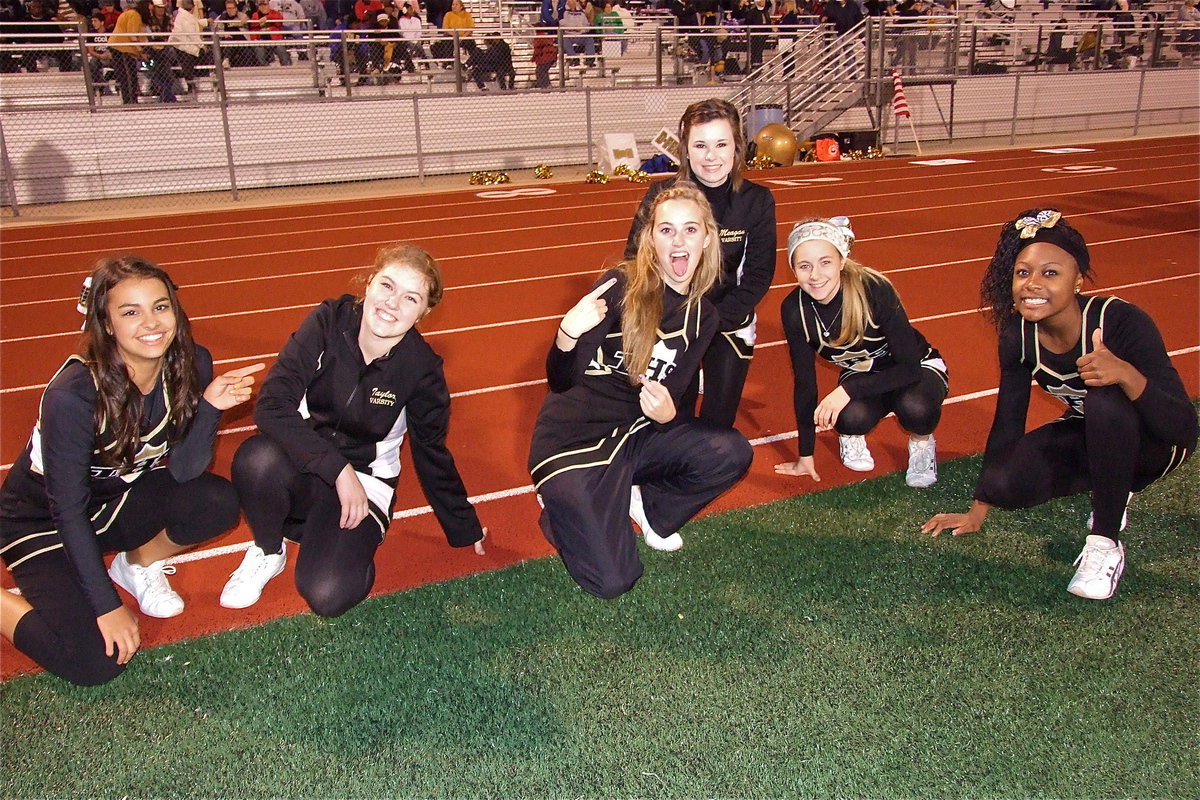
x=1128 y=419
x=116 y=462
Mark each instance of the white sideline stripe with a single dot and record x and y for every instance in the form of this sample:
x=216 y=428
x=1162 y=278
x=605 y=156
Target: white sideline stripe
x=488 y=389
x=516 y=491
x=319 y=248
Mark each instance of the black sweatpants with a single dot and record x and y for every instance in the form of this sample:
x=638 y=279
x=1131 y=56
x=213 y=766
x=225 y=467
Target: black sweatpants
x=1108 y=452
x=918 y=408
x=680 y=469
x=335 y=569
x=60 y=633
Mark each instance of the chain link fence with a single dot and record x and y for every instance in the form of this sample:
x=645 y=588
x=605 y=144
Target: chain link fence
x=337 y=112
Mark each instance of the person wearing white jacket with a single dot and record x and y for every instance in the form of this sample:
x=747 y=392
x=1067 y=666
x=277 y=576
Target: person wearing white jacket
x=185 y=39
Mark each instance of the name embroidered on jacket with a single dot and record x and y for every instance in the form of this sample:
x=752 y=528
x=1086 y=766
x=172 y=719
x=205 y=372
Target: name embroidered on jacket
x=382 y=397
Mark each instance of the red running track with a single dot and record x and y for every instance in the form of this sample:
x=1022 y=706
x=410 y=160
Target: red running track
x=515 y=258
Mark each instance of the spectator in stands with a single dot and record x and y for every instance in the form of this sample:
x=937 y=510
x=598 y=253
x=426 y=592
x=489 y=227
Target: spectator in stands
x=185 y=39
x=269 y=26
x=500 y=61
x=235 y=23
x=1188 y=41
x=908 y=33
x=99 y=54
x=110 y=14
x=381 y=49
x=758 y=19
x=459 y=19
x=435 y=12
x=127 y=48
x=545 y=53
x=315 y=11
x=162 y=54
x=609 y=23
x=366 y=10
x=410 y=32
x=10 y=11
x=843 y=15
x=552 y=11
x=42 y=28
x=575 y=26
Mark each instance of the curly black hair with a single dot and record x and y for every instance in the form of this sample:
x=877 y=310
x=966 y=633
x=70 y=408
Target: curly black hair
x=995 y=291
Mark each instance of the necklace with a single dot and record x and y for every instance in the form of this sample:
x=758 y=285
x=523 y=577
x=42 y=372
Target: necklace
x=821 y=323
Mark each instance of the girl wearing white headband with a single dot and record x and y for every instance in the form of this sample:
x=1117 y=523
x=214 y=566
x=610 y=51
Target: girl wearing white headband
x=851 y=316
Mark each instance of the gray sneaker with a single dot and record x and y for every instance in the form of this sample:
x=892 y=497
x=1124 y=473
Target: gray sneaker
x=1100 y=566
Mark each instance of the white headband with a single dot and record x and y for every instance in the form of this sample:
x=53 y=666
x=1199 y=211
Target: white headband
x=836 y=231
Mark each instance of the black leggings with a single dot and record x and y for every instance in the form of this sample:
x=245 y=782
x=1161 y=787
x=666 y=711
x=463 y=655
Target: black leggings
x=725 y=371
x=335 y=569
x=1108 y=452
x=60 y=633
x=918 y=408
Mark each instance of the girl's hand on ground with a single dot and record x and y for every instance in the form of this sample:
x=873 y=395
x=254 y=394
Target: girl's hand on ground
x=119 y=628
x=799 y=468
x=958 y=524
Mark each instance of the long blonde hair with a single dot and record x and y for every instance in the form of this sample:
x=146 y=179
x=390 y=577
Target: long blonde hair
x=643 y=302
x=856 y=309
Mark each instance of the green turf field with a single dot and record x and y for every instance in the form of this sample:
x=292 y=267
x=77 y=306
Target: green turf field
x=817 y=647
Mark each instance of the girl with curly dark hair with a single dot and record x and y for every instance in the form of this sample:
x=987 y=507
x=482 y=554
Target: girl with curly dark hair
x=1128 y=418
x=116 y=462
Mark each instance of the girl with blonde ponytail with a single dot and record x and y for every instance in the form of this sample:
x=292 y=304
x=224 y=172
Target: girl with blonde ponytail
x=851 y=316
x=621 y=360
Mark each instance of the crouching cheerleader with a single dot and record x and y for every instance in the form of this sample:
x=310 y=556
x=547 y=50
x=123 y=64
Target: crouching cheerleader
x=349 y=385
x=1128 y=419
x=116 y=462
x=620 y=362
x=851 y=316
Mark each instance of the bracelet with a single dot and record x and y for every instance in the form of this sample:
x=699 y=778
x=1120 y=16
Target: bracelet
x=569 y=336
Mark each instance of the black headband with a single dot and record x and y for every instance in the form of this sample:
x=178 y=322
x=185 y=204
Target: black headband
x=1043 y=227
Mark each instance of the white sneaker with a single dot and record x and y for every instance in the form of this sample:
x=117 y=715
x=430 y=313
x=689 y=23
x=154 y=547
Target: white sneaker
x=922 y=463
x=855 y=454
x=148 y=585
x=246 y=583
x=1100 y=566
x=668 y=544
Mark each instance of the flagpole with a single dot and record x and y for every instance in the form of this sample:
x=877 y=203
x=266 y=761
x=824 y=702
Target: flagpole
x=900 y=107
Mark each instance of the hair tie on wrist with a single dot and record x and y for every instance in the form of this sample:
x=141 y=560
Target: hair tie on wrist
x=569 y=336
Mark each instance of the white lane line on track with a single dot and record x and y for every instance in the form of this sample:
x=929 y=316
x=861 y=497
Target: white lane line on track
x=543 y=227
x=897 y=173
x=516 y=491
x=774 y=287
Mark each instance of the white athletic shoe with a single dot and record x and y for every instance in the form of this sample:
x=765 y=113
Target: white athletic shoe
x=855 y=454
x=148 y=585
x=1100 y=566
x=246 y=583
x=922 y=463
x=668 y=544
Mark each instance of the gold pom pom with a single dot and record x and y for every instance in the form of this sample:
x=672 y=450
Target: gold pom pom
x=489 y=178
x=623 y=169
x=874 y=152
x=641 y=176
x=543 y=171
x=761 y=161
x=501 y=177
x=477 y=178
x=595 y=176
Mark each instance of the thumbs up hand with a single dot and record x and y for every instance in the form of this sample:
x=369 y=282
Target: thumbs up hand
x=1102 y=367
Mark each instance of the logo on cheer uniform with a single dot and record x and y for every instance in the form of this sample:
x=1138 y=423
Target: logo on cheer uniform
x=382 y=397
x=149 y=457
x=662 y=362
x=1070 y=395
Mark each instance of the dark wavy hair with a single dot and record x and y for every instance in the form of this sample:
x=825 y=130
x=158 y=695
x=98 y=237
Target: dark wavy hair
x=995 y=291
x=118 y=400
x=710 y=110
